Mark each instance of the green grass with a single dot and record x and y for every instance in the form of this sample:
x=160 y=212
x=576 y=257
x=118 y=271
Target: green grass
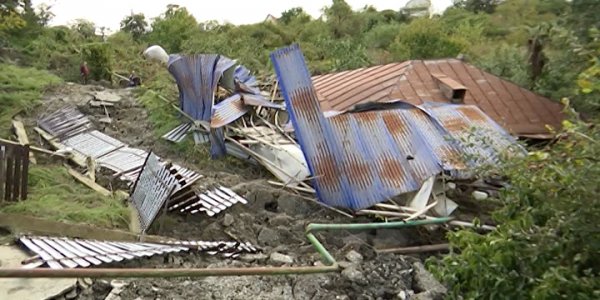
x=55 y=195
x=20 y=90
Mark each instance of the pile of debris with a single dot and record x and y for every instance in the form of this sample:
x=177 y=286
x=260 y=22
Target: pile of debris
x=353 y=159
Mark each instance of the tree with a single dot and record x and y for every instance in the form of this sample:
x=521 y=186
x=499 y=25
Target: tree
x=425 y=38
x=486 y=6
x=342 y=20
x=135 y=24
x=296 y=13
x=86 y=28
x=172 y=28
x=584 y=17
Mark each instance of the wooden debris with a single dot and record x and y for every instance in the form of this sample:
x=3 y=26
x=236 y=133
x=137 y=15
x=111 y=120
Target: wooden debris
x=96 y=103
x=87 y=181
x=37 y=149
x=22 y=137
x=76 y=157
x=415 y=249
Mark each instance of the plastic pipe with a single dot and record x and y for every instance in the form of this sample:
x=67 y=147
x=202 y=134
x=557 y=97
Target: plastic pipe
x=328 y=259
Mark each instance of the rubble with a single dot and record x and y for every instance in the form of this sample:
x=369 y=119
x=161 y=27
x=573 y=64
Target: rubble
x=279 y=258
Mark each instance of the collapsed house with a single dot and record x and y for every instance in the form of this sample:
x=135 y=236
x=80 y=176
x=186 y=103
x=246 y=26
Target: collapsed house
x=355 y=156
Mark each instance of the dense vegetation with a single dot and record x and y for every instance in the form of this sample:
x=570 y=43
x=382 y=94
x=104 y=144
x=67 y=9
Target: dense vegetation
x=547 y=244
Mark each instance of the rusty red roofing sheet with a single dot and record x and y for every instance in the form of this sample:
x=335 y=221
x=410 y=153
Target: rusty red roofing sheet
x=517 y=109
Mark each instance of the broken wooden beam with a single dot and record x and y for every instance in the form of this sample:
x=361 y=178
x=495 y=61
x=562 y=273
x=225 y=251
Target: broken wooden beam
x=415 y=249
x=21 y=224
x=37 y=149
x=88 y=182
x=22 y=137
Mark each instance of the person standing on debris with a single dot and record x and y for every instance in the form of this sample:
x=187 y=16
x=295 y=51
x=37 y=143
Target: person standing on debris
x=134 y=80
x=84 y=72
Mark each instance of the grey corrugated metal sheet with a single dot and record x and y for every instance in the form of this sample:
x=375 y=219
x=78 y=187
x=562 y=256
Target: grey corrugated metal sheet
x=59 y=253
x=65 y=122
x=224 y=248
x=360 y=159
x=178 y=134
x=154 y=186
x=126 y=161
x=210 y=202
x=93 y=144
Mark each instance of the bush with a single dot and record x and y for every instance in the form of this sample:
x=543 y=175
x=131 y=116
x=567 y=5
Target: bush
x=547 y=243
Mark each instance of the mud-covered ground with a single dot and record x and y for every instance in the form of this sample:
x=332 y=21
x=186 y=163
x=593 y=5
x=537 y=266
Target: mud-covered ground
x=274 y=220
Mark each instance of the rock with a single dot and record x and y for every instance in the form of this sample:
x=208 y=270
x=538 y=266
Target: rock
x=72 y=294
x=259 y=257
x=479 y=195
x=228 y=220
x=118 y=284
x=354 y=275
x=402 y=295
x=268 y=236
x=354 y=257
x=281 y=220
x=281 y=258
x=426 y=296
x=106 y=96
x=342 y=297
x=425 y=282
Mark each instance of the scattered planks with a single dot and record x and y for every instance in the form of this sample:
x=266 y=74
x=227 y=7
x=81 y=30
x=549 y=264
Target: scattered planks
x=14 y=170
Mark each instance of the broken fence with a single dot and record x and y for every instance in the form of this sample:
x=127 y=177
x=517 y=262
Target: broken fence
x=14 y=171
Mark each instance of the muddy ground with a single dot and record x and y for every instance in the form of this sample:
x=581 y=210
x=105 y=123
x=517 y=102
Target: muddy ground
x=273 y=220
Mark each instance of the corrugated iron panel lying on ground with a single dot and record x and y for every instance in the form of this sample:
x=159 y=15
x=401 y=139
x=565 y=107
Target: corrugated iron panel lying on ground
x=151 y=190
x=124 y=161
x=178 y=133
x=59 y=252
x=14 y=171
x=62 y=252
x=363 y=158
x=93 y=144
x=65 y=122
x=224 y=248
x=210 y=202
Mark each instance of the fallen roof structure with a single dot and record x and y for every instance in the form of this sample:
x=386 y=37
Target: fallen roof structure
x=518 y=110
x=359 y=159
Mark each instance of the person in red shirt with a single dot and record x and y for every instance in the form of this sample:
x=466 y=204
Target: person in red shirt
x=85 y=72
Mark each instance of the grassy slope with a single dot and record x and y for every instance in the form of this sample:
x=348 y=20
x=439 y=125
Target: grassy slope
x=53 y=193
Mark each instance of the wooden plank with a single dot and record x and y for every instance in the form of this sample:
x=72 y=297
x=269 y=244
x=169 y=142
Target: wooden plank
x=22 y=137
x=9 y=173
x=17 y=163
x=88 y=182
x=25 y=173
x=22 y=224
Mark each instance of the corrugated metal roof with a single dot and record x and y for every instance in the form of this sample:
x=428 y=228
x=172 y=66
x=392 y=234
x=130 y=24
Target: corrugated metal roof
x=363 y=158
x=65 y=122
x=93 y=144
x=59 y=253
x=517 y=109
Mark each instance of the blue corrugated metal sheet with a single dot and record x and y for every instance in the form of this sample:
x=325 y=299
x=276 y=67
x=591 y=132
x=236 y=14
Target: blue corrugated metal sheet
x=363 y=158
x=197 y=78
